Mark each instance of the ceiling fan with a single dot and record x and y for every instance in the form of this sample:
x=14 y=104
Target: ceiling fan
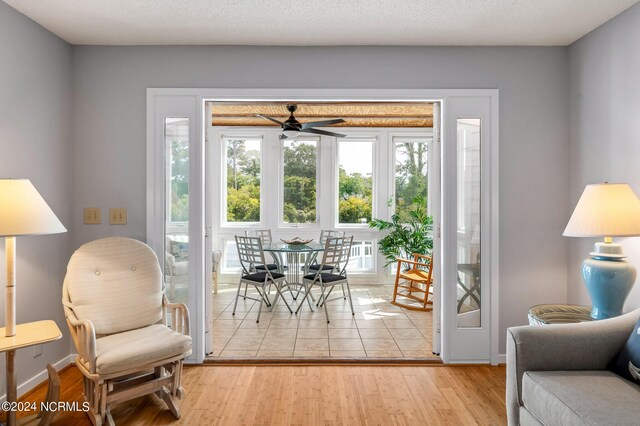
x=292 y=127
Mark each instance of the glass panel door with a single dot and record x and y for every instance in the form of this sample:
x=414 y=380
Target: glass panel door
x=468 y=218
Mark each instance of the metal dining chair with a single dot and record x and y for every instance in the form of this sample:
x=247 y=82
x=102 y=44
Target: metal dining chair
x=251 y=257
x=334 y=259
x=314 y=266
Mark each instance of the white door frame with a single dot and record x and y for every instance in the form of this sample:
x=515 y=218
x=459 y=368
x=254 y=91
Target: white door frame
x=193 y=104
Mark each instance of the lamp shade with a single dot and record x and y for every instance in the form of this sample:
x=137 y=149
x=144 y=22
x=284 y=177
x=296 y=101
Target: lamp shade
x=605 y=210
x=23 y=211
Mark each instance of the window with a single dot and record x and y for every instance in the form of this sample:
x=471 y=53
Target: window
x=355 y=181
x=410 y=172
x=243 y=177
x=177 y=146
x=300 y=158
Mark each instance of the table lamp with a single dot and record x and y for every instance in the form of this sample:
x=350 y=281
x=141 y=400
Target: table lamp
x=606 y=210
x=22 y=212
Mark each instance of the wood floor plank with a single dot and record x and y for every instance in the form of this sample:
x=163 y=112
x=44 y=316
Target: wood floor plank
x=313 y=395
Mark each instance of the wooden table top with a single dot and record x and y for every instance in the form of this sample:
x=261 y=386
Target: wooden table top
x=29 y=334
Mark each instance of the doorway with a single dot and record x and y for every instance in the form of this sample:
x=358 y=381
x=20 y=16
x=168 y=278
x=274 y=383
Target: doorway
x=460 y=342
x=302 y=187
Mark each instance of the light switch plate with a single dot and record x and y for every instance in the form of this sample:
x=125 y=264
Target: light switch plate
x=92 y=216
x=118 y=216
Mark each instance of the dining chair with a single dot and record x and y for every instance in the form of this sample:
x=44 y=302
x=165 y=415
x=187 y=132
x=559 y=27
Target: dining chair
x=251 y=257
x=335 y=258
x=314 y=266
x=266 y=240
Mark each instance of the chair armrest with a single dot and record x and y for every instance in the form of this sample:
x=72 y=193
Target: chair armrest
x=84 y=337
x=169 y=263
x=179 y=314
x=580 y=346
x=413 y=262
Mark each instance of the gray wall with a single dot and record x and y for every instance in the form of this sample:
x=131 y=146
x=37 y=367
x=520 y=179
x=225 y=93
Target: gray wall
x=35 y=143
x=604 y=72
x=109 y=105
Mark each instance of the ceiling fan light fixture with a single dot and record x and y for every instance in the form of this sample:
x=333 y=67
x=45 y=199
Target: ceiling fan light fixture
x=291 y=133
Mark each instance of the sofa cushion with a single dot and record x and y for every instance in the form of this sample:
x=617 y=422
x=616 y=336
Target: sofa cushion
x=580 y=397
x=627 y=363
x=116 y=283
x=135 y=348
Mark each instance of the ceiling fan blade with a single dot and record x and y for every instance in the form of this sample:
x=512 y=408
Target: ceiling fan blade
x=322 y=123
x=271 y=119
x=323 y=132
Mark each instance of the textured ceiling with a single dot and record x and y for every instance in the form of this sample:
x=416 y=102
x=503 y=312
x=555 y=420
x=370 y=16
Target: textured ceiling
x=321 y=22
x=354 y=114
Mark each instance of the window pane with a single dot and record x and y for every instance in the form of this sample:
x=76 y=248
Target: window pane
x=244 y=164
x=300 y=165
x=411 y=174
x=176 y=259
x=355 y=181
x=177 y=143
x=468 y=170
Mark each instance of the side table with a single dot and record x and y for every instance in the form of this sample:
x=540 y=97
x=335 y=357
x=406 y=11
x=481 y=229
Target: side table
x=28 y=334
x=559 y=314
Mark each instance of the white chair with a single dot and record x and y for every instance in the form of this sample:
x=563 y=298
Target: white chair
x=130 y=340
x=251 y=258
x=335 y=258
x=176 y=263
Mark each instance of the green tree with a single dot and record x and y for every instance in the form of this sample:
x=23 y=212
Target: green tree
x=179 y=181
x=300 y=164
x=243 y=182
x=411 y=175
x=355 y=197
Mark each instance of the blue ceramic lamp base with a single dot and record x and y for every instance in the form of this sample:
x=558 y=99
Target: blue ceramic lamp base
x=609 y=279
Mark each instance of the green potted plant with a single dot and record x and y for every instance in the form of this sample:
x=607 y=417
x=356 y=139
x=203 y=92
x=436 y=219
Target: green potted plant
x=411 y=233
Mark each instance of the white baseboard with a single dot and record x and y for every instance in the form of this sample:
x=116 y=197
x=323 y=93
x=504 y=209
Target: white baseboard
x=502 y=358
x=31 y=383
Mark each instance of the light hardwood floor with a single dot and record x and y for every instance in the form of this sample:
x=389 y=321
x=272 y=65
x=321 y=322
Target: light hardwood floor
x=314 y=395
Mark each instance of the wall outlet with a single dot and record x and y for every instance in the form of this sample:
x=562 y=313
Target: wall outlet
x=118 y=216
x=92 y=216
x=37 y=351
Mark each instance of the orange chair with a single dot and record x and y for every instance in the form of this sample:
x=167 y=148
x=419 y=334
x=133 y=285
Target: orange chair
x=414 y=282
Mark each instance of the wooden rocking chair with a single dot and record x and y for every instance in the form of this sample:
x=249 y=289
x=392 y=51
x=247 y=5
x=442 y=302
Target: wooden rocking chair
x=414 y=282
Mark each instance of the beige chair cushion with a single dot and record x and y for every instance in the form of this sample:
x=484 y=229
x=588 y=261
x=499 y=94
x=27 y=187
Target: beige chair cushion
x=136 y=348
x=116 y=283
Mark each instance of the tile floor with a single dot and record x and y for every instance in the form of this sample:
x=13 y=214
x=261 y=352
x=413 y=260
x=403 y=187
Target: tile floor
x=377 y=330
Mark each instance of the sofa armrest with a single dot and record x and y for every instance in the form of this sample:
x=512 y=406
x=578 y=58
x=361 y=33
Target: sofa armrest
x=580 y=346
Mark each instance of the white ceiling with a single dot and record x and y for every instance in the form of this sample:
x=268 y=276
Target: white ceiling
x=321 y=22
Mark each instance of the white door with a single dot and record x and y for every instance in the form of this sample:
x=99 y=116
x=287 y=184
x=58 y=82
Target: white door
x=175 y=197
x=469 y=216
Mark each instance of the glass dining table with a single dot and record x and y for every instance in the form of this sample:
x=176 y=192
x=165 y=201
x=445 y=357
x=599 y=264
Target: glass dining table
x=293 y=260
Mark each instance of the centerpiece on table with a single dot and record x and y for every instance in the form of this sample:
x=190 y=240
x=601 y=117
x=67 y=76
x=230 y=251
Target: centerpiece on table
x=296 y=241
